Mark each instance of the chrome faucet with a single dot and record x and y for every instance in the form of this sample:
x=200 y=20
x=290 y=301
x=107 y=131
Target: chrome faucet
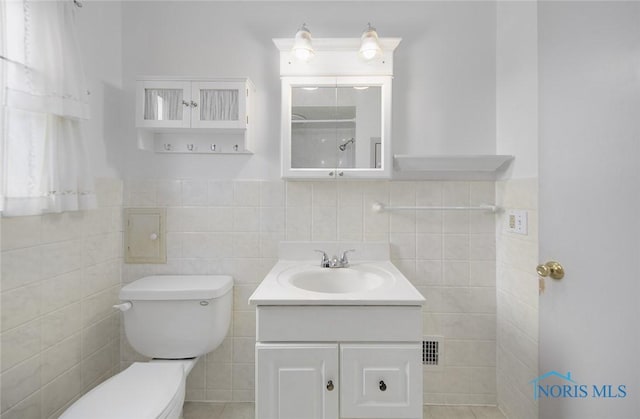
x=334 y=262
x=325 y=262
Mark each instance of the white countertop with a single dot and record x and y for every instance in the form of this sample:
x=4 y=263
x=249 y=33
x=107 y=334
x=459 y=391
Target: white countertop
x=398 y=292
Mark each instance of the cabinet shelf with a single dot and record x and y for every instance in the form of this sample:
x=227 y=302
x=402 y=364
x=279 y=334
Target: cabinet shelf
x=322 y=121
x=454 y=167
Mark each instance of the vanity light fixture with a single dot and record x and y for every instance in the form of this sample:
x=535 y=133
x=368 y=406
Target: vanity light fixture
x=369 y=45
x=302 y=48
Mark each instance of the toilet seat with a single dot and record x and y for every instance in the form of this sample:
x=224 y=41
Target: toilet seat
x=145 y=390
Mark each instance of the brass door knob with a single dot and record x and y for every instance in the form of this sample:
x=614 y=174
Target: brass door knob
x=552 y=269
x=330 y=385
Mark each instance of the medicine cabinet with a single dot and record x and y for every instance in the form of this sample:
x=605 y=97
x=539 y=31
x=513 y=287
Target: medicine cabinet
x=336 y=127
x=336 y=111
x=194 y=115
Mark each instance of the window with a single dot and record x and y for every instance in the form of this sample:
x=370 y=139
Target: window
x=44 y=163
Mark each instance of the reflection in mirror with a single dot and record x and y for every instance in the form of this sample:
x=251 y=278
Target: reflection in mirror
x=163 y=104
x=335 y=127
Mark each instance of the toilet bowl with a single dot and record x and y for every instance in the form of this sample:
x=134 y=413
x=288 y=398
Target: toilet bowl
x=173 y=319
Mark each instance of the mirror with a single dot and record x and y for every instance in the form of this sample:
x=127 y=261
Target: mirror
x=336 y=127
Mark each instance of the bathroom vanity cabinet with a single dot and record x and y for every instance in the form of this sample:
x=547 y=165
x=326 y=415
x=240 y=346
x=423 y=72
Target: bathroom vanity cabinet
x=337 y=342
x=194 y=115
x=330 y=362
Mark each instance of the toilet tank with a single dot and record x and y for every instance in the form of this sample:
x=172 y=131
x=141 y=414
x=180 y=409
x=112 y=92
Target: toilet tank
x=177 y=316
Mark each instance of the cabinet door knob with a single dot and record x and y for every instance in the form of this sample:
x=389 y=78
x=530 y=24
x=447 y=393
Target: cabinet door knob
x=194 y=104
x=340 y=173
x=185 y=103
x=383 y=386
x=330 y=385
x=330 y=173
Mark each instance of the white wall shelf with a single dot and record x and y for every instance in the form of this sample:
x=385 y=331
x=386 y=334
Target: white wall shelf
x=454 y=167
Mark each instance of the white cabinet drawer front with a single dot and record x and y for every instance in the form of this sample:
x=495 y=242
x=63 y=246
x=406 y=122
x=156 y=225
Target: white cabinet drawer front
x=339 y=323
x=292 y=381
x=381 y=381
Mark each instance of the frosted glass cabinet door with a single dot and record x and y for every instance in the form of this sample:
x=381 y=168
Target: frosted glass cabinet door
x=165 y=104
x=219 y=105
x=297 y=381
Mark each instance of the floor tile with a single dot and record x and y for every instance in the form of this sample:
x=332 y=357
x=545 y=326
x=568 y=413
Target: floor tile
x=202 y=410
x=487 y=412
x=205 y=410
x=448 y=412
x=238 y=411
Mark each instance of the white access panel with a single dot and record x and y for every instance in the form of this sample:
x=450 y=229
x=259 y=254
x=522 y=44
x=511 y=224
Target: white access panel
x=145 y=240
x=293 y=381
x=381 y=381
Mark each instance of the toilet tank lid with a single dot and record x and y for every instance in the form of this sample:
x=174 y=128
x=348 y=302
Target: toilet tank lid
x=177 y=287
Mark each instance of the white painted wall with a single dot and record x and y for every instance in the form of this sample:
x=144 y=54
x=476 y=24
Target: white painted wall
x=100 y=39
x=444 y=86
x=517 y=86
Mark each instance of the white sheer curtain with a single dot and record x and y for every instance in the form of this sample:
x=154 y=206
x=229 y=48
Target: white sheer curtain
x=219 y=105
x=163 y=104
x=44 y=161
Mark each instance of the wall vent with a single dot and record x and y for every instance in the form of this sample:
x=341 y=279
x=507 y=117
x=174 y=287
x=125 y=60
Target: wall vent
x=432 y=351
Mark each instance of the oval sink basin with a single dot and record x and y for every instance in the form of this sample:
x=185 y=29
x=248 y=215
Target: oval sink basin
x=359 y=278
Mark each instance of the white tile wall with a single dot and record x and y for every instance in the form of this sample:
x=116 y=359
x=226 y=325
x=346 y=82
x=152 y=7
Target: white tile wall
x=233 y=227
x=60 y=276
x=517 y=301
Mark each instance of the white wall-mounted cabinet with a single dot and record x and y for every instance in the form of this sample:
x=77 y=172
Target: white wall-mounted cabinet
x=336 y=127
x=194 y=115
x=336 y=111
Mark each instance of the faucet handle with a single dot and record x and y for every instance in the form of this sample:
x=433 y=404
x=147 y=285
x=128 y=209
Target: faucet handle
x=324 y=263
x=343 y=259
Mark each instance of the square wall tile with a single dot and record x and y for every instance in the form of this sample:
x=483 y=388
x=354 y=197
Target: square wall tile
x=20 y=232
x=429 y=246
x=325 y=194
x=169 y=192
x=324 y=224
x=350 y=194
x=299 y=194
x=455 y=193
x=402 y=193
x=220 y=193
x=21 y=267
x=20 y=305
x=195 y=192
x=429 y=194
x=246 y=219
x=456 y=247
x=246 y=193
x=403 y=245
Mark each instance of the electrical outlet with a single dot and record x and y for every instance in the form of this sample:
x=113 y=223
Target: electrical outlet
x=517 y=221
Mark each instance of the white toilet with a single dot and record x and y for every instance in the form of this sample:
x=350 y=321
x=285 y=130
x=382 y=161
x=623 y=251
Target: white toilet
x=173 y=319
